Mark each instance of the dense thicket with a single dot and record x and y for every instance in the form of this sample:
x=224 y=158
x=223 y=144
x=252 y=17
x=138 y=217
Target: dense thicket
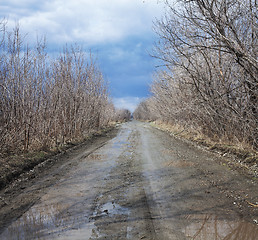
x=45 y=102
x=123 y=115
x=209 y=48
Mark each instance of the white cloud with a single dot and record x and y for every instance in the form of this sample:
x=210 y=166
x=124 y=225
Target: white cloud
x=93 y=22
x=129 y=103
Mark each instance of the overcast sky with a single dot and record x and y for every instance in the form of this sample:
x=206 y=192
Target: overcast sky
x=118 y=32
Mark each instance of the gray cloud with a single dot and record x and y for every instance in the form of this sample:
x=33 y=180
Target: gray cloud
x=118 y=32
x=93 y=22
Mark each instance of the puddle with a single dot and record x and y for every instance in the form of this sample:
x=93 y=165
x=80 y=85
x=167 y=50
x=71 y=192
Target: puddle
x=211 y=227
x=110 y=209
x=128 y=154
x=53 y=222
x=119 y=144
x=40 y=221
x=122 y=139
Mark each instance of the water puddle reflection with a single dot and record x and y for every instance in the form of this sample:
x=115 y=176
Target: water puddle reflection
x=211 y=227
x=110 y=208
x=119 y=144
x=48 y=221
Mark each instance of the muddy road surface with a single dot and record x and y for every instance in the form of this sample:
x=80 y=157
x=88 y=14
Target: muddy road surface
x=141 y=184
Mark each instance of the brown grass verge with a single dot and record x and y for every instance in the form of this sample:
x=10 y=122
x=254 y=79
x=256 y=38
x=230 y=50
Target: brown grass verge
x=243 y=154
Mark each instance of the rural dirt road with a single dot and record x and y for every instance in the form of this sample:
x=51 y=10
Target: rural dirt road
x=141 y=184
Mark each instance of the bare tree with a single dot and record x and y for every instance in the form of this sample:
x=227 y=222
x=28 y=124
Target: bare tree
x=47 y=102
x=209 y=50
x=123 y=115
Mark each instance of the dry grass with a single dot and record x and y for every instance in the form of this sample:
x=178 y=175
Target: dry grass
x=245 y=153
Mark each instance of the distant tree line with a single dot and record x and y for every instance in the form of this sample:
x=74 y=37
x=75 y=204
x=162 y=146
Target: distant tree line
x=123 y=115
x=46 y=102
x=209 y=50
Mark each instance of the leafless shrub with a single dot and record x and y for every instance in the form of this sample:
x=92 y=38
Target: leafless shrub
x=145 y=111
x=47 y=102
x=122 y=115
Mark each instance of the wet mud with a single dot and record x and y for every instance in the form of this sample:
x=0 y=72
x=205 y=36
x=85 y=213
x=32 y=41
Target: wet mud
x=141 y=184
